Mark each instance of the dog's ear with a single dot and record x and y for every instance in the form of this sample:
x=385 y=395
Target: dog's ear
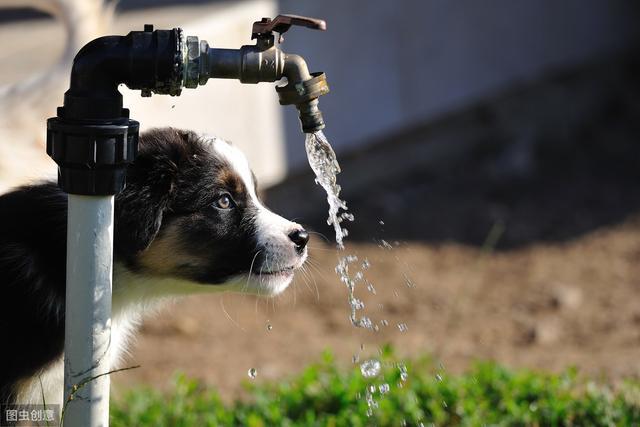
x=151 y=182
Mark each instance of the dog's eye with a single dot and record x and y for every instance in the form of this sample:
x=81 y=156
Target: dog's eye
x=224 y=202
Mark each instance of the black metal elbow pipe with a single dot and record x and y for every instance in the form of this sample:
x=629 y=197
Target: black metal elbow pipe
x=147 y=60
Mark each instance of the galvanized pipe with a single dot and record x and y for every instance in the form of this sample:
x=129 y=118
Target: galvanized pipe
x=88 y=310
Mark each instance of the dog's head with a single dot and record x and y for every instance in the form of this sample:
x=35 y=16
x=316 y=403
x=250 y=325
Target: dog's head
x=190 y=211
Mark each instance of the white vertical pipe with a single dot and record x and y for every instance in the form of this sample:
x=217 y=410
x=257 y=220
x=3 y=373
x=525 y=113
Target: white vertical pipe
x=88 y=310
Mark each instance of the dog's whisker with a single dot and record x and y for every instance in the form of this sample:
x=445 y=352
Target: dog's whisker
x=319 y=234
x=246 y=285
x=315 y=284
x=317 y=269
x=294 y=294
x=226 y=313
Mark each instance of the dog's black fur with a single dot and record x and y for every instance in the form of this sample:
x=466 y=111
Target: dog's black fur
x=173 y=184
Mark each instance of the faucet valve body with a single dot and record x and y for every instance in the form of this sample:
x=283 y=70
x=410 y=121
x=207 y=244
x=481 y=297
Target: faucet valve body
x=263 y=62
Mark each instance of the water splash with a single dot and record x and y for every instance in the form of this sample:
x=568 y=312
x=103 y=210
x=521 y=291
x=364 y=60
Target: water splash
x=355 y=304
x=252 y=373
x=324 y=164
x=370 y=368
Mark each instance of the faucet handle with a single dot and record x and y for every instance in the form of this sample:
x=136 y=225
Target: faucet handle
x=281 y=24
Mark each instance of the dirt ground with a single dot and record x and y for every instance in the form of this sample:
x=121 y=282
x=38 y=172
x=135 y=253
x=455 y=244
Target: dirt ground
x=526 y=250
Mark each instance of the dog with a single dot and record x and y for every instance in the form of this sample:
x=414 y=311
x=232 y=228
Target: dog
x=188 y=221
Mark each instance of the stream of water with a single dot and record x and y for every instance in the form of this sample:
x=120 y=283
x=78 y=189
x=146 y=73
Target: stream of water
x=324 y=164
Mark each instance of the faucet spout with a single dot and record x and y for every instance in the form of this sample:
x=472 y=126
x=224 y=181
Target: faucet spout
x=295 y=68
x=303 y=90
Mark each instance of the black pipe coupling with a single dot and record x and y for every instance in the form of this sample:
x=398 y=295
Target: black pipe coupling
x=92 y=157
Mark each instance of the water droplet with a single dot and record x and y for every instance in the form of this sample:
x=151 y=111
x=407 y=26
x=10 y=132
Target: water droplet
x=384 y=388
x=381 y=222
x=385 y=245
x=408 y=281
x=439 y=377
x=364 y=322
x=403 y=327
x=347 y=216
x=403 y=372
x=370 y=288
x=269 y=327
x=370 y=368
x=252 y=373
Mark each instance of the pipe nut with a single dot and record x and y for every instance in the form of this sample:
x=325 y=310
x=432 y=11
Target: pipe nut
x=301 y=92
x=192 y=62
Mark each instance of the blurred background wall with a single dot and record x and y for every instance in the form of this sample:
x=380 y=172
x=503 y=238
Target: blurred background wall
x=392 y=65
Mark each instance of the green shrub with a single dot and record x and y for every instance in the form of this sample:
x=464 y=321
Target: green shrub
x=324 y=395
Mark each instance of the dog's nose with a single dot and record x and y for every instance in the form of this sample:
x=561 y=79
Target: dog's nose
x=300 y=238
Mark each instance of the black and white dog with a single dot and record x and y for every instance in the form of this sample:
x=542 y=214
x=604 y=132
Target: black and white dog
x=188 y=221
